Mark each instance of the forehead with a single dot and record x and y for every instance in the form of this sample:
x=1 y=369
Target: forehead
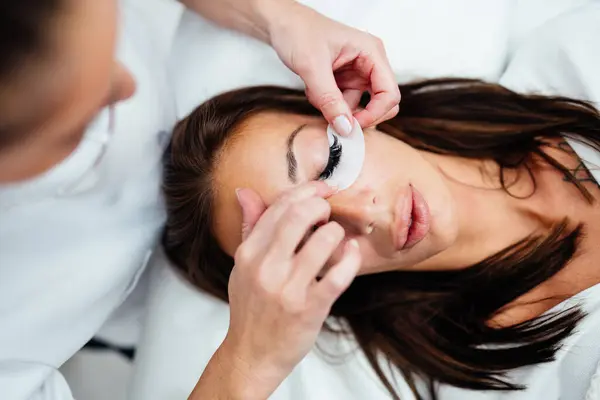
x=255 y=157
x=257 y=149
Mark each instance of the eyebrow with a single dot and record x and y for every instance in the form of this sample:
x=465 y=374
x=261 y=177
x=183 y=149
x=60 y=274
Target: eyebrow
x=292 y=163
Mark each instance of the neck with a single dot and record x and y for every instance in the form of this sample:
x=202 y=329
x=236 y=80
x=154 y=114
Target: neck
x=491 y=219
x=494 y=219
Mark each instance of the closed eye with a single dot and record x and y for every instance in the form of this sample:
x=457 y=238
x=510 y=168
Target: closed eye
x=335 y=155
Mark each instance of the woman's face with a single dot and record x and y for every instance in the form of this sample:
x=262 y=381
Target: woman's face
x=399 y=209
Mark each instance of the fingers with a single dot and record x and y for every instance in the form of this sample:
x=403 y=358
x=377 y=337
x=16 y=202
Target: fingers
x=390 y=114
x=260 y=233
x=384 y=89
x=352 y=85
x=352 y=97
x=269 y=221
x=252 y=208
x=318 y=249
x=369 y=70
x=298 y=219
x=323 y=93
x=360 y=76
x=349 y=77
x=339 y=277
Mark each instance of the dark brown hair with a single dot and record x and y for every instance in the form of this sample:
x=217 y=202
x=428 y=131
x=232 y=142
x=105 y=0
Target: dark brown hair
x=429 y=324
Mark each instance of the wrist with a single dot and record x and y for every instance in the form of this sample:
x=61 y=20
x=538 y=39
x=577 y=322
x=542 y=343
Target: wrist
x=269 y=14
x=246 y=379
x=223 y=379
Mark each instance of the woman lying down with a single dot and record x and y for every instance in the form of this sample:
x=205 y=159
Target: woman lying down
x=471 y=219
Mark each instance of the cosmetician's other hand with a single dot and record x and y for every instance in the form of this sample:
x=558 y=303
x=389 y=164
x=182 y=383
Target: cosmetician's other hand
x=337 y=64
x=277 y=305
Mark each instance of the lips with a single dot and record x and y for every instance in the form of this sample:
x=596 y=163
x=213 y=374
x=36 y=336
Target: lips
x=412 y=219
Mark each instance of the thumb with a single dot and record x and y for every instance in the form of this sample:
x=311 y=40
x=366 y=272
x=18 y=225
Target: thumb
x=252 y=209
x=323 y=93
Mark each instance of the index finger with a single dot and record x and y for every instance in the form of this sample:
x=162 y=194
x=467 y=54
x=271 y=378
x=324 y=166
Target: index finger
x=252 y=206
x=264 y=229
x=385 y=94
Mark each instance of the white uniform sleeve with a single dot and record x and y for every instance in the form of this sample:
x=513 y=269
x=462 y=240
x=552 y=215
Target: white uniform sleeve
x=32 y=381
x=67 y=262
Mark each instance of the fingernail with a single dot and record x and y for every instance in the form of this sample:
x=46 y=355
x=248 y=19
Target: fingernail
x=322 y=189
x=353 y=243
x=237 y=194
x=342 y=125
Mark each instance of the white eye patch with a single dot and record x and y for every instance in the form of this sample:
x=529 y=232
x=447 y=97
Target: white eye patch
x=352 y=157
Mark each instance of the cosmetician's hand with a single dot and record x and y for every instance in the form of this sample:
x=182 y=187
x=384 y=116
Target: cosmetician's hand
x=277 y=305
x=337 y=63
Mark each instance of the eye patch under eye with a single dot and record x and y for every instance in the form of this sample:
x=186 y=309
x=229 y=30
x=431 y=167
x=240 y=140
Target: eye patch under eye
x=352 y=157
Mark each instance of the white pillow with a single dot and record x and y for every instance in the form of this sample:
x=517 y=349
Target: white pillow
x=421 y=39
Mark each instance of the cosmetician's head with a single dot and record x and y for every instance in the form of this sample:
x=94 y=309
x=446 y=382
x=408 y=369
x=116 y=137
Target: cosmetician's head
x=57 y=71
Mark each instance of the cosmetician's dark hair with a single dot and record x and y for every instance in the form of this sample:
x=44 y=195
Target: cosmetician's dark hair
x=24 y=40
x=427 y=324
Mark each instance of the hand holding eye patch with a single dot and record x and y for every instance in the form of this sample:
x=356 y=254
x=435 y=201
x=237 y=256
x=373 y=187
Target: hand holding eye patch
x=337 y=64
x=277 y=305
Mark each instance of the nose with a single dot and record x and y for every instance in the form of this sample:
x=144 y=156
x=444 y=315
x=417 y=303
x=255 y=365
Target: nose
x=357 y=211
x=123 y=84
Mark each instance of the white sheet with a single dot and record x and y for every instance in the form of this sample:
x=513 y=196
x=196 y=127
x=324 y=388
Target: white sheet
x=429 y=38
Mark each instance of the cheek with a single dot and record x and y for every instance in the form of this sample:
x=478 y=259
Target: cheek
x=442 y=206
x=389 y=165
x=444 y=227
x=385 y=167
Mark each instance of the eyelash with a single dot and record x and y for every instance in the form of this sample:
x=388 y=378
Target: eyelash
x=335 y=154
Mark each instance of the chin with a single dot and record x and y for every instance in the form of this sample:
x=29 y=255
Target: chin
x=409 y=259
x=444 y=230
